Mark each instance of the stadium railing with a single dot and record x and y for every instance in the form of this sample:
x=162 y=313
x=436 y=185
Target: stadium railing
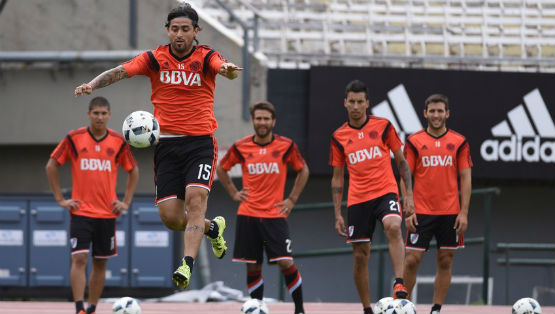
x=381 y=247
x=507 y=261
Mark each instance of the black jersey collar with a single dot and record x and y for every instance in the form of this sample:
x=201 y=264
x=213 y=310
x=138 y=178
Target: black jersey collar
x=178 y=58
x=94 y=138
x=439 y=136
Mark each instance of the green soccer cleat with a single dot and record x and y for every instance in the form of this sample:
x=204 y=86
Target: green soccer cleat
x=182 y=275
x=218 y=243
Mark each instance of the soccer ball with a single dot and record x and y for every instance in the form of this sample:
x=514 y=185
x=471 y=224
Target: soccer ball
x=126 y=305
x=527 y=306
x=403 y=306
x=141 y=129
x=254 y=306
x=382 y=305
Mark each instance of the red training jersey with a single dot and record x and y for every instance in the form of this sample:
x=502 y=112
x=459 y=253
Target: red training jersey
x=264 y=169
x=365 y=150
x=435 y=163
x=94 y=169
x=182 y=88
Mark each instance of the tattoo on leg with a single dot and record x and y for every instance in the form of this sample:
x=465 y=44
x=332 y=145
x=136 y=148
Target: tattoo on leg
x=194 y=228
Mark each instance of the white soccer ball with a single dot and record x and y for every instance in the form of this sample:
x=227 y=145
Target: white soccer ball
x=382 y=305
x=126 y=305
x=403 y=306
x=141 y=129
x=527 y=306
x=254 y=306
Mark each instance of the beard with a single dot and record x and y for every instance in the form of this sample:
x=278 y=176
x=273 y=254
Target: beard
x=262 y=132
x=438 y=125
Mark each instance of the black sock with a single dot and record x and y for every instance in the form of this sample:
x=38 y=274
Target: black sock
x=189 y=261
x=293 y=281
x=436 y=307
x=91 y=308
x=79 y=306
x=368 y=310
x=255 y=285
x=213 y=230
x=398 y=280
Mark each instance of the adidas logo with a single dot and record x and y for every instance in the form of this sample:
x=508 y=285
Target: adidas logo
x=530 y=134
x=400 y=112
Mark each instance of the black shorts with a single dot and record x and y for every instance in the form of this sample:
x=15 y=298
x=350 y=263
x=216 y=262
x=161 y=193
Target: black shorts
x=180 y=162
x=100 y=231
x=253 y=235
x=362 y=217
x=440 y=226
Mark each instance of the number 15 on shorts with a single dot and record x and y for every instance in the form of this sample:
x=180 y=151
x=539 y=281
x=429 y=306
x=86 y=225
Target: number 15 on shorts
x=204 y=171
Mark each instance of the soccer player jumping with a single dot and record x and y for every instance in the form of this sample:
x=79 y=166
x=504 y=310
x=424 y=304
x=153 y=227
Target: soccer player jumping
x=183 y=77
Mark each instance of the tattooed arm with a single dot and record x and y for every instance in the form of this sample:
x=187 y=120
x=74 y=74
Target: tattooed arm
x=337 y=183
x=104 y=79
x=404 y=171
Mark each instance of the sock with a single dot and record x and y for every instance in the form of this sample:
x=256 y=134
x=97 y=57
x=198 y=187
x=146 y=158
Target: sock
x=91 y=308
x=79 y=306
x=398 y=280
x=368 y=310
x=189 y=261
x=213 y=230
x=436 y=307
x=294 y=282
x=255 y=285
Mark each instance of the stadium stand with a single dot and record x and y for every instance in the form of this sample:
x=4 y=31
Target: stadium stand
x=485 y=34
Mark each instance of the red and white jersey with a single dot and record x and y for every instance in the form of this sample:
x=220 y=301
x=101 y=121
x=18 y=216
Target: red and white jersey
x=94 y=169
x=435 y=163
x=264 y=169
x=366 y=151
x=182 y=88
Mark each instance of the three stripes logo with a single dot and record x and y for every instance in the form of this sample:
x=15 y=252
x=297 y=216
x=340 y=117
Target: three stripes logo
x=400 y=112
x=529 y=132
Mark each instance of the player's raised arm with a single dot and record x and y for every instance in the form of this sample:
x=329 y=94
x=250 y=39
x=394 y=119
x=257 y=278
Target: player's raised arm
x=230 y=70
x=104 y=79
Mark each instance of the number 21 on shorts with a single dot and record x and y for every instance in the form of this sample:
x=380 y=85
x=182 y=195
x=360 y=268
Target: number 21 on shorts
x=394 y=206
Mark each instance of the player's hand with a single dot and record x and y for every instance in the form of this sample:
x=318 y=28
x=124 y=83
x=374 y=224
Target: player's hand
x=340 y=226
x=242 y=195
x=82 y=89
x=71 y=204
x=118 y=207
x=408 y=205
x=286 y=206
x=230 y=70
x=411 y=222
x=461 y=223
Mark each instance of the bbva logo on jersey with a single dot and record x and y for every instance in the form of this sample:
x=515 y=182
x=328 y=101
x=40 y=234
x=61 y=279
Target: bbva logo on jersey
x=180 y=77
x=94 y=164
x=364 y=154
x=263 y=168
x=437 y=160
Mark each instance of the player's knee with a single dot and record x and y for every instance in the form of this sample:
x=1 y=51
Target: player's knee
x=360 y=257
x=411 y=261
x=285 y=264
x=173 y=222
x=393 y=230
x=195 y=203
x=79 y=260
x=445 y=262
